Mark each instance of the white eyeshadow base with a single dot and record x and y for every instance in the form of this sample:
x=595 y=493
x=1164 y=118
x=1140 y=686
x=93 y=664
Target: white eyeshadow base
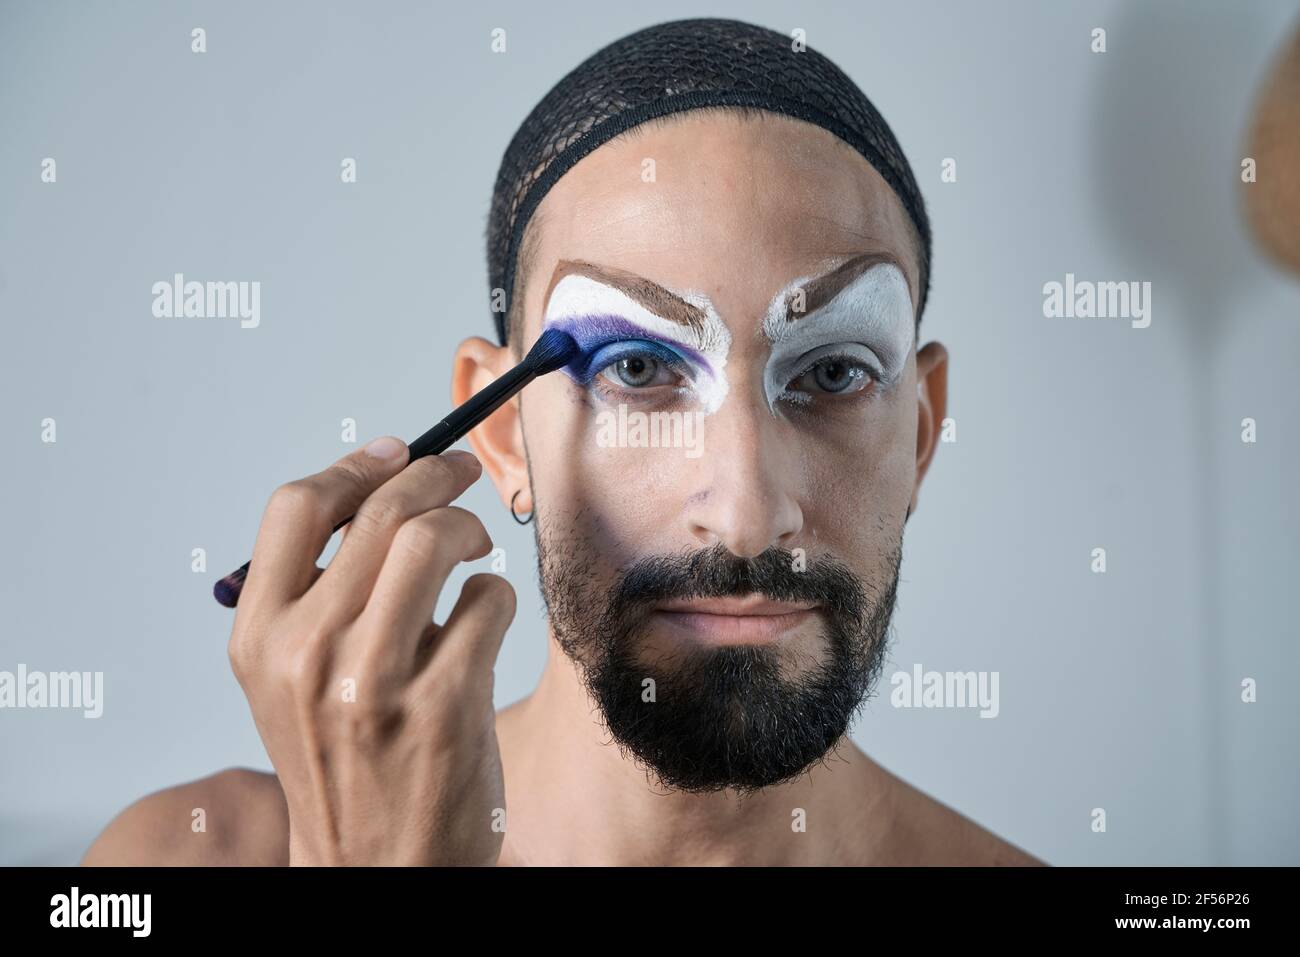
x=576 y=296
x=873 y=311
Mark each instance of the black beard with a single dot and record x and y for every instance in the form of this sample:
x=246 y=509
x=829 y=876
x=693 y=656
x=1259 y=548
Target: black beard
x=718 y=717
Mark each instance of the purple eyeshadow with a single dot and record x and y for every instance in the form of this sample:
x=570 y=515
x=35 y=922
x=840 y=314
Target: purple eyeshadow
x=595 y=332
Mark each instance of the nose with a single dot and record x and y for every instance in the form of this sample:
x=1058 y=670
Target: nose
x=750 y=481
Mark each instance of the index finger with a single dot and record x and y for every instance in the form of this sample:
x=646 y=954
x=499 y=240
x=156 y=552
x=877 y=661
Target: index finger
x=301 y=515
x=429 y=483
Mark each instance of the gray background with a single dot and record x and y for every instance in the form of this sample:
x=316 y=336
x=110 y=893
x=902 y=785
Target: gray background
x=1118 y=691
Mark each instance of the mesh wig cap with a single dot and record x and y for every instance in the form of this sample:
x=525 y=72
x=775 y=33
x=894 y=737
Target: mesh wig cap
x=671 y=68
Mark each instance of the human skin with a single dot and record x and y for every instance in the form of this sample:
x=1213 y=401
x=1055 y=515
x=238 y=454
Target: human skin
x=739 y=207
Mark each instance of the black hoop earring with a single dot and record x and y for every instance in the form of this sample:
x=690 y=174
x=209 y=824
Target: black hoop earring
x=515 y=515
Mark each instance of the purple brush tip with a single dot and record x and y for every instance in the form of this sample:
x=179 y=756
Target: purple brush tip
x=227 y=590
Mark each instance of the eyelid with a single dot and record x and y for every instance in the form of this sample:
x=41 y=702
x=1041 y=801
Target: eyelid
x=602 y=355
x=855 y=351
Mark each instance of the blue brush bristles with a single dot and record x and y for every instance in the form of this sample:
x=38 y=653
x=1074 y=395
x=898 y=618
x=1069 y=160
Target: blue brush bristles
x=553 y=349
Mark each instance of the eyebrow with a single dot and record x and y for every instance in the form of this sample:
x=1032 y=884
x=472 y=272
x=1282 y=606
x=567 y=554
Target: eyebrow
x=660 y=301
x=818 y=292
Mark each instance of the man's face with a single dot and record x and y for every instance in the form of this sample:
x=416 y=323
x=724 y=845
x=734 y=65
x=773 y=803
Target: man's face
x=720 y=483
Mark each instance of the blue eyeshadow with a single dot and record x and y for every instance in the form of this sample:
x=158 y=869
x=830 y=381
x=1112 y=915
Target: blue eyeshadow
x=604 y=340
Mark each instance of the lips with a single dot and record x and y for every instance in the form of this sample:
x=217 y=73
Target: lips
x=748 y=619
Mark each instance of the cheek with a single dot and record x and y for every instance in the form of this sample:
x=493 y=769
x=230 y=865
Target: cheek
x=859 y=487
x=632 y=496
x=614 y=498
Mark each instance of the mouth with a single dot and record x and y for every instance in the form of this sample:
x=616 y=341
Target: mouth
x=733 y=620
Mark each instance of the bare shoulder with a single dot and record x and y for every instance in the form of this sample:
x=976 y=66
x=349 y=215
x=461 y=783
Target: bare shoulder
x=234 y=817
x=928 y=832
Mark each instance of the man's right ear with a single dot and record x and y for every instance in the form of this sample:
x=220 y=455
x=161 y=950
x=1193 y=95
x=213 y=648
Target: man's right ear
x=499 y=440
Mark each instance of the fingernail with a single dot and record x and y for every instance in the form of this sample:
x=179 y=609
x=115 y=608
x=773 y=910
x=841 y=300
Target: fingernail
x=463 y=457
x=386 y=447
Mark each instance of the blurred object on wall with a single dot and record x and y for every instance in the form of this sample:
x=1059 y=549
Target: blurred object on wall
x=1272 y=202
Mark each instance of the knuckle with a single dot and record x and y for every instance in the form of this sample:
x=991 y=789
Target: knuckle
x=472 y=530
x=451 y=532
x=493 y=592
x=245 y=647
x=424 y=534
x=371 y=718
x=351 y=477
x=298 y=670
x=238 y=653
x=438 y=708
x=302 y=665
x=452 y=522
x=380 y=515
x=439 y=469
x=300 y=500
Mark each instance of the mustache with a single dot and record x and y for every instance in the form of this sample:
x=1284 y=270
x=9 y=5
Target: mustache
x=777 y=574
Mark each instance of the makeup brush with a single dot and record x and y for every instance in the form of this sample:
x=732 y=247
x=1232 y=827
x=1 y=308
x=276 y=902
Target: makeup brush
x=552 y=350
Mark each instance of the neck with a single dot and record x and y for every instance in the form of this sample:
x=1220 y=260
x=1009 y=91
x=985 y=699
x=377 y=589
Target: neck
x=574 y=798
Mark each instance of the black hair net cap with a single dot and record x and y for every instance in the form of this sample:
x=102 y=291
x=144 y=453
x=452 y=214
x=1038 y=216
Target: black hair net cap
x=671 y=68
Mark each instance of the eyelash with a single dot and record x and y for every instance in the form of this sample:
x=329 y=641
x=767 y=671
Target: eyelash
x=844 y=358
x=854 y=355
x=605 y=356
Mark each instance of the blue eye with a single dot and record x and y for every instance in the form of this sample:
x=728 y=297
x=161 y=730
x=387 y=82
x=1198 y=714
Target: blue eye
x=836 y=374
x=836 y=369
x=635 y=364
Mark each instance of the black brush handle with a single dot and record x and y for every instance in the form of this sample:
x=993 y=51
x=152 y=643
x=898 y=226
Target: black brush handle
x=483 y=403
x=435 y=441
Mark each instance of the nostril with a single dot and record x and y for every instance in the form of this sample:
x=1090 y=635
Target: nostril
x=704 y=535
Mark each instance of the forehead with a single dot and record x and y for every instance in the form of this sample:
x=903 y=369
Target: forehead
x=732 y=206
